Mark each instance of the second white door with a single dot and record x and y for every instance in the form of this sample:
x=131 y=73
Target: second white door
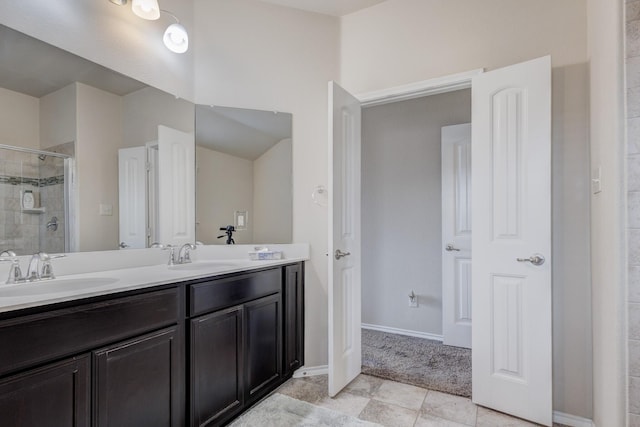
x=345 y=353
x=456 y=235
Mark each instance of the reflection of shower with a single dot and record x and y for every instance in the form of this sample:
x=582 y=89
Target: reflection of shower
x=45 y=177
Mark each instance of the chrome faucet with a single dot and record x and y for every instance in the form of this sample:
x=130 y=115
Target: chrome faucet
x=15 y=273
x=40 y=267
x=184 y=254
x=172 y=254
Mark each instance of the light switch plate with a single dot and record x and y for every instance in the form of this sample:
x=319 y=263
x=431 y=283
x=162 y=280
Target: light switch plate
x=241 y=219
x=106 y=210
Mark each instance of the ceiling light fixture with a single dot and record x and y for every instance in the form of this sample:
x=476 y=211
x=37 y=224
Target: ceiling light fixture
x=146 y=9
x=175 y=37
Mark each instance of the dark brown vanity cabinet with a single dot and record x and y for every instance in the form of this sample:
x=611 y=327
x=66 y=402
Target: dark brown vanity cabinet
x=138 y=382
x=263 y=346
x=116 y=361
x=217 y=368
x=196 y=353
x=293 y=296
x=235 y=352
x=57 y=395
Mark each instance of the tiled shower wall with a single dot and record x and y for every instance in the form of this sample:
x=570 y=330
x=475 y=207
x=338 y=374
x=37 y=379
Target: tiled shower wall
x=18 y=231
x=633 y=203
x=22 y=231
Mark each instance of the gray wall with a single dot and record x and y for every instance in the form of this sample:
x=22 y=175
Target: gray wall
x=272 y=200
x=401 y=209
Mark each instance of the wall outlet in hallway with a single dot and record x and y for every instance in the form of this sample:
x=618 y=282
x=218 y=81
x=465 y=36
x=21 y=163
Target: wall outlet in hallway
x=413 y=300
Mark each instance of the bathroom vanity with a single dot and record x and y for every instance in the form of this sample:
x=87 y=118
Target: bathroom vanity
x=195 y=352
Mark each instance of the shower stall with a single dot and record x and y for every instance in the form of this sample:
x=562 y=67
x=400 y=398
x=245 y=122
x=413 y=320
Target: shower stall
x=35 y=199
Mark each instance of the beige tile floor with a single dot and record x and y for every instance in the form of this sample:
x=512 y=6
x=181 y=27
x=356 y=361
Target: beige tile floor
x=395 y=404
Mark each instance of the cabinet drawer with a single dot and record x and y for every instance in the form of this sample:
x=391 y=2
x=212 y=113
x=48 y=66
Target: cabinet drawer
x=220 y=293
x=33 y=339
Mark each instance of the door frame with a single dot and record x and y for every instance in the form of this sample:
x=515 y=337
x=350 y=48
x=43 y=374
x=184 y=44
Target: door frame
x=418 y=89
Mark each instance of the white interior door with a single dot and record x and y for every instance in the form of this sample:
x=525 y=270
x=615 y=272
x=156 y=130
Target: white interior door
x=456 y=235
x=176 y=186
x=511 y=234
x=345 y=353
x=132 y=194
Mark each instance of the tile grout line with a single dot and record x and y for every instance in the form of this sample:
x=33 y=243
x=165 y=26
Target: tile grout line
x=424 y=399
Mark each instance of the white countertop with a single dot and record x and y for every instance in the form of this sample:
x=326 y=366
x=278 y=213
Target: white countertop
x=208 y=262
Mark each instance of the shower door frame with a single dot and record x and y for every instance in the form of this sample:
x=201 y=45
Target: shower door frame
x=69 y=190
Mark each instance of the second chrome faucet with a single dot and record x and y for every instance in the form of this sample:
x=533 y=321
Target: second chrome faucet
x=183 y=256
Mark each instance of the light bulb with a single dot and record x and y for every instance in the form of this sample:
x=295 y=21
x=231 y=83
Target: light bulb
x=146 y=9
x=176 y=38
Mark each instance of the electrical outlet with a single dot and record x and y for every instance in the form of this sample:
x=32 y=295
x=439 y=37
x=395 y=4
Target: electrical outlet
x=413 y=300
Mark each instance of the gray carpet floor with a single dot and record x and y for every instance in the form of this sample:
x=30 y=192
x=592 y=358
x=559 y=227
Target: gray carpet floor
x=417 y=361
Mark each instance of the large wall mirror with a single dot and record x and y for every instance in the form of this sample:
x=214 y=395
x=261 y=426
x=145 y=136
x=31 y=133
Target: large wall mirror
x=93 y=160
x=244 y=176
x=66 y=128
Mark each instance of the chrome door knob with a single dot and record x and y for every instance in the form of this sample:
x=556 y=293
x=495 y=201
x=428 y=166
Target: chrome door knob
x=123 y=245
x=339 y=254
x=450 y=248
x=535 y=259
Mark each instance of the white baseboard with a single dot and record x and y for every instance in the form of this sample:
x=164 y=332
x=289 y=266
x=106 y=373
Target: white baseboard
x=311 y=371
x=571 y=420
x=402 y=332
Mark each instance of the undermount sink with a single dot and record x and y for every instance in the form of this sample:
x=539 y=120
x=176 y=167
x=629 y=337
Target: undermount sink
x=54 y=286
x=204 y=265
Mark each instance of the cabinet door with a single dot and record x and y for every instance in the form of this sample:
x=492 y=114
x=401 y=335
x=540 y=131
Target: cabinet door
x=57 y=395
x=216 y=366
x=138 y=382
x=293 y=318
x=263 y=326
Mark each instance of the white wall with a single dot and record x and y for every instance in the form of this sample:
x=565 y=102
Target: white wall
x=401 y=41
x=145 y=109
x=99 y=136
x=272 y=203
x=19 y=119
x=605 y=35
x=110 y=35
x=58 y=117
x=224 y=184
x=252 y=54
x=402 y=209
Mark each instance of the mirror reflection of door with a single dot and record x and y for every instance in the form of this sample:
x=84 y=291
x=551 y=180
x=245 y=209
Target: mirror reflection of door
x=243 y=178
x=156 y=191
